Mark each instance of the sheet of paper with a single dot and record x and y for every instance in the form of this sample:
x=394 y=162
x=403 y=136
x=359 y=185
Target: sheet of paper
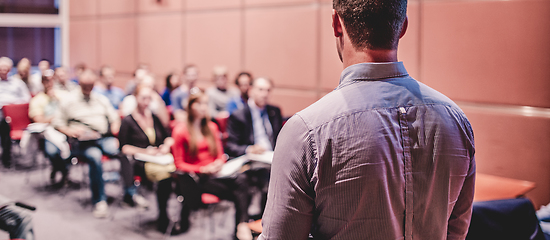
x=159 y=159
x=232 y=166
x=266 y=157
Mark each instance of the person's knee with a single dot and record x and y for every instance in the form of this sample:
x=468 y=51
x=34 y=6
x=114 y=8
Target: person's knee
x=51 y=150
x=110 y=146
x=93 y=155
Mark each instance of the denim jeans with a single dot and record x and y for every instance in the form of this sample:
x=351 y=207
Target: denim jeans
x=92 y=152
x=17 y=222
x=54 y=155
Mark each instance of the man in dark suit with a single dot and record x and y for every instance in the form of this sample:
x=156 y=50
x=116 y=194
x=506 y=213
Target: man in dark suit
x=254 y=128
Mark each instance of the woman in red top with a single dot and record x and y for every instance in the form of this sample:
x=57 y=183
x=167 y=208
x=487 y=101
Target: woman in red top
x=198 y=153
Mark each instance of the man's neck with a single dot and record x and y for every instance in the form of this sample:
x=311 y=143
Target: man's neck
x=369 y=56
x=253 y=104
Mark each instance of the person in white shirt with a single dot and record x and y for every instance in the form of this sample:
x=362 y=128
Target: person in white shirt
x=12 y=91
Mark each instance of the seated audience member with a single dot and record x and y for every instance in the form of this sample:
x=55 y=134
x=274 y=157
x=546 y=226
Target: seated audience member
x=12 y=91
x=141 y=71
x=178 y=97
x=199 y=155
x=90 y=121
x=157 y=106
x=23 y=70
x=35 y=81
x=62 y=85
x=15 y=220
x=78 y=69
x=255 y=127
x=24 y=74
x=243 y=81
x=105 y=86
x=42 y=109
x=220 y=94
x=172 y=82
x=143 y=132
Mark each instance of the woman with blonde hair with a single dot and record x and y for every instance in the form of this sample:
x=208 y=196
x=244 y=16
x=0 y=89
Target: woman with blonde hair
x=142 y=132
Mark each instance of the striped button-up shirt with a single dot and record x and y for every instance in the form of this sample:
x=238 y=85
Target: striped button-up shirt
x=381 y=157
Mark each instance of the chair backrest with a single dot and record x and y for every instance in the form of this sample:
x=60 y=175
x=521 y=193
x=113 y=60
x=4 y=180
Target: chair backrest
x=18 y=117
x=222 y=123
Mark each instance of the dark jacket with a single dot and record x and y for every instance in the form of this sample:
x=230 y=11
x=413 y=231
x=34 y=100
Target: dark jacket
x=241 y=133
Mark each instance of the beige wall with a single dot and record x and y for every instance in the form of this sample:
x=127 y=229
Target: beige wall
x=492 y=57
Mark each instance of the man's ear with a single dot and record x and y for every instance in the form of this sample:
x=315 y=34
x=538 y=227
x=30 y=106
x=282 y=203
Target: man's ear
x=337 y=24
x=404 y=28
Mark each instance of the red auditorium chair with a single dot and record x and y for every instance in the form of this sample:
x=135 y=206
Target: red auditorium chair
x=17 y=116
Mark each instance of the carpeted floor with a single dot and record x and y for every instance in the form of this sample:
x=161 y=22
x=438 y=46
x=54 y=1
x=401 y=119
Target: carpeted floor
x=65 y=213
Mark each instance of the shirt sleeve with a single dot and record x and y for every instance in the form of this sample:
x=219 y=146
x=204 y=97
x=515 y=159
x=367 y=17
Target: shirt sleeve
x=459 y=221
x=290 y=203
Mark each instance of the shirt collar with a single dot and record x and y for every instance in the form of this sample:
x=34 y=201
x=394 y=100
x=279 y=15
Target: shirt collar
x=252 y=105
x=372 y=71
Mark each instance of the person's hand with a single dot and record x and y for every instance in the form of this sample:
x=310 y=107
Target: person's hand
x=255 y=149
x=74 y=132
x=152 y=150
x=163 y=149
x=213 y=167
x=217 y=165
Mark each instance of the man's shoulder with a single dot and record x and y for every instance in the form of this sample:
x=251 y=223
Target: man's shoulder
x=15 y=81
x=322 y=110
x=40 y=97
x=240 y=113
x=102 y=99
x=118 y=91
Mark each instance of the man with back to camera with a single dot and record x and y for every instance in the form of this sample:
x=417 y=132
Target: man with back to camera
x=382 y=156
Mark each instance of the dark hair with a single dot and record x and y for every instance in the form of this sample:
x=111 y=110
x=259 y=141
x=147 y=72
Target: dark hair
x=194 y=95
x=43 y=59
x=168 y=83
x=372 y=24
x=243 y=74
